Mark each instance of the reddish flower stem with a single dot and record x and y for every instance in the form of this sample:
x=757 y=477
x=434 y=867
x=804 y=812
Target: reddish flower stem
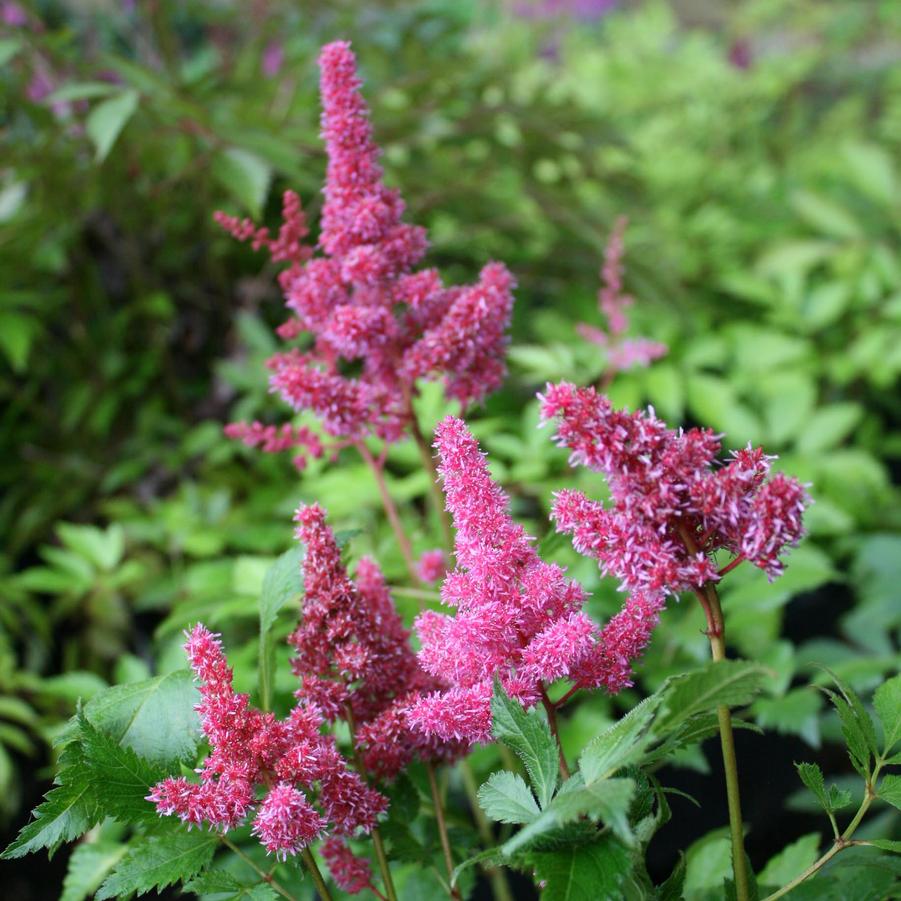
x=403 y=542
x=552 y=722
x=732 y=564
x=561 y=701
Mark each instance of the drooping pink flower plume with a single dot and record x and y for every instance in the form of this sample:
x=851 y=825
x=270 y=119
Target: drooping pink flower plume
x=672 y=506
x=622 y=353
x=353 y=653
x=359 y=305
x=517 y=618
x=251 y=749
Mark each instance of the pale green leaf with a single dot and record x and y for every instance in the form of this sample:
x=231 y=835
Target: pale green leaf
x=245 y=176
x=89 y=864
x=791 y=861
x=620 y=744
x=889 y=789
x=506 y=798
x=584 y=872
x=107 y=119
x=887 y=701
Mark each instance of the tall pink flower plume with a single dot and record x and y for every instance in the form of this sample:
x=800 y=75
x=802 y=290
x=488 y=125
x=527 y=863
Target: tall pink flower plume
x=622 y=353
x=360 y=302
x=672 y=506
x=353 y=653
x=517 y=618
x=252 y=750
x=352 y=874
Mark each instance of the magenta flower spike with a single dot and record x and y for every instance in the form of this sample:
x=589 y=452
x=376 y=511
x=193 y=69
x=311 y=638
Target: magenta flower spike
x=360 y=303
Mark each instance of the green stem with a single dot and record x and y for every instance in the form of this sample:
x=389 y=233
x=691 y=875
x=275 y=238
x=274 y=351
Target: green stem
x=442 y=829
x=710 y=602
x=318 y=881
x=841 y=841
x=498 y=878
x=266 y=877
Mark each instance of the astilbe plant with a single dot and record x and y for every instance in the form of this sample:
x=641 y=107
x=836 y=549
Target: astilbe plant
x=371 y=715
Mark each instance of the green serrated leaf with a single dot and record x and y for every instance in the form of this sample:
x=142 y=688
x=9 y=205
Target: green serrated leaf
x=886 y=844
x=107 y=119
x=226 y=887
x=155 y=718
x=621 y=743
x=853 y=734
x=158 y=861
x=122 y=780
x=607 y=800
x=887 y=701
x=729 y=683
x=791 y=861
x=528 y=734
x=671 y=890
x=89 y=865
x=890 y=790
x=584 y=872
x=69 y=809
x=506 y=798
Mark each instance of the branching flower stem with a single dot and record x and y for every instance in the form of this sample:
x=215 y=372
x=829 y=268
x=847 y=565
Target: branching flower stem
x=842 y=840
x=710 y=602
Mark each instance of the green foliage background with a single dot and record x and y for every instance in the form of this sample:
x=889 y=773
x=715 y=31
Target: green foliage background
x=764 y=249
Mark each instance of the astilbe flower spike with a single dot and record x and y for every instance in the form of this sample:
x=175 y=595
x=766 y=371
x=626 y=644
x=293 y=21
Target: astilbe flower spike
x=622 y=352
x=671 y=506
x=354 y=657
x=360 y=302
x=518 y=618
x=251 y=749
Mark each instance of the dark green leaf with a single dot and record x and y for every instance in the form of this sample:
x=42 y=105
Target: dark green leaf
x=245 y=176
x=223 y=886
x=584 y=872
x=791 y=861
x=528 y=734
x=69 y=809
x=831 y=800
x=507 y=799
x=671 y=890
x=157 y=861
x=121 y=779
x=886 y=844
x=890 y=790
x=727 y=683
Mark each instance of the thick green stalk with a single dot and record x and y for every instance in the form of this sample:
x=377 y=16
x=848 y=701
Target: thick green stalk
x=318 y=881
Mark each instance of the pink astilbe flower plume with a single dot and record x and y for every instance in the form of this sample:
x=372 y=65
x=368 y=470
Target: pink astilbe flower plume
x=622 y=353
x=352 y=874
x=251 y=750
x=360 y=302
x=671 y=505
x=517 y=618
x=353 y=654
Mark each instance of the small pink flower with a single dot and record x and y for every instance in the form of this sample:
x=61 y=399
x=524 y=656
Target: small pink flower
x=286 y=822
x=432 y=565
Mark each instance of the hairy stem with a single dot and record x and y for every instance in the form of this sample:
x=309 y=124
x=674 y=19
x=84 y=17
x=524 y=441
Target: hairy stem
x=403 y=542
x=442 y=829
x=552 y=722
x=498 y=878
x=266 y=877
x=377 y=842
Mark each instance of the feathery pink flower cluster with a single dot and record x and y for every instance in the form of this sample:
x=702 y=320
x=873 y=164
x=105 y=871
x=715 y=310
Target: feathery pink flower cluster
x=352 y=874
x=272 y=439
x=432 y=565
x=518 y=618
x=671 y=507
x=622 y=353
x=362 y=302
x=354 y=656
x=250 y=748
